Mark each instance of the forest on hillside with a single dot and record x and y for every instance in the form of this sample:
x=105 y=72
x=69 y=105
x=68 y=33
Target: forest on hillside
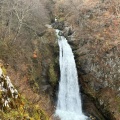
x=29 y=55
x=21 y=22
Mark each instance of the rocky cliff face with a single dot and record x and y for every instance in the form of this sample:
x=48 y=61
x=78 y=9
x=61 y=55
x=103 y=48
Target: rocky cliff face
x=13 y=105
x=95 y=43
x=99 y=77
x=8 y=94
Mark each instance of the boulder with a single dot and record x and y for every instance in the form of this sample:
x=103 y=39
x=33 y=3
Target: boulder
x=58 y=25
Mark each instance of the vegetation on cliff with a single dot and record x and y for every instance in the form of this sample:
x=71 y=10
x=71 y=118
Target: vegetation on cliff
x=96 y=44
x=27 y=48
x=13 y=106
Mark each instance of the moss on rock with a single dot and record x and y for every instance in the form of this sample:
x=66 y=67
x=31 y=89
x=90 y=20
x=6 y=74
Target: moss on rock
x=52 y=75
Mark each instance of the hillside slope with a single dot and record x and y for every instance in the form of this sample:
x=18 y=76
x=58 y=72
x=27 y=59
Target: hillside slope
x=95 y=25
x=28 y=50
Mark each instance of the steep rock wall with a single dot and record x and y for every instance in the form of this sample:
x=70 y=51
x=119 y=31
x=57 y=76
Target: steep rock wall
x=95 y=42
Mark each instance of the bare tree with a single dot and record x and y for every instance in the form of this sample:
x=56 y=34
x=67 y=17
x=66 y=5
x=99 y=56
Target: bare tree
x=17 y=14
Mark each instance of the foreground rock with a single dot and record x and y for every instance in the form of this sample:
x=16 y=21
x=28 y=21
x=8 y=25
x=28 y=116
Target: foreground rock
x=8 y=94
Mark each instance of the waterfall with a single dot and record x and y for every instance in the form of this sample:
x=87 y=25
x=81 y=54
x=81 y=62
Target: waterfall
x=69 y=100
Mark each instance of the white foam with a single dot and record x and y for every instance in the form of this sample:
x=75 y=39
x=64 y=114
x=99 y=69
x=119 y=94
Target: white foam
x=69 y=106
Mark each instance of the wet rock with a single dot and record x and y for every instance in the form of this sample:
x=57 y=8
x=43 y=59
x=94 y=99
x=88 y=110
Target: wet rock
x=67 y=32
x=58 y=25
x=60 y=33
x=52 y=17
x=92 y=112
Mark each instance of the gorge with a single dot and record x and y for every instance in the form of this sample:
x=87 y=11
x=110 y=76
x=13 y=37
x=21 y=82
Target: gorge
x=29 y=55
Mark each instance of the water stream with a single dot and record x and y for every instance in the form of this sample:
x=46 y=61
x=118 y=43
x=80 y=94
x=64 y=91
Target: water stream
x=69 y=106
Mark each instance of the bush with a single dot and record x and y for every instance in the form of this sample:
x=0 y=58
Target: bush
x=52 y=75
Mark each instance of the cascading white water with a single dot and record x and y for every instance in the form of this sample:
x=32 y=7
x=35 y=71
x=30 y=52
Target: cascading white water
x=69 y=99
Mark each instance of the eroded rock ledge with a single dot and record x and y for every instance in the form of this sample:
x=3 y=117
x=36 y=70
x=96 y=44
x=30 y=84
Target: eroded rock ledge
x=98 y=67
